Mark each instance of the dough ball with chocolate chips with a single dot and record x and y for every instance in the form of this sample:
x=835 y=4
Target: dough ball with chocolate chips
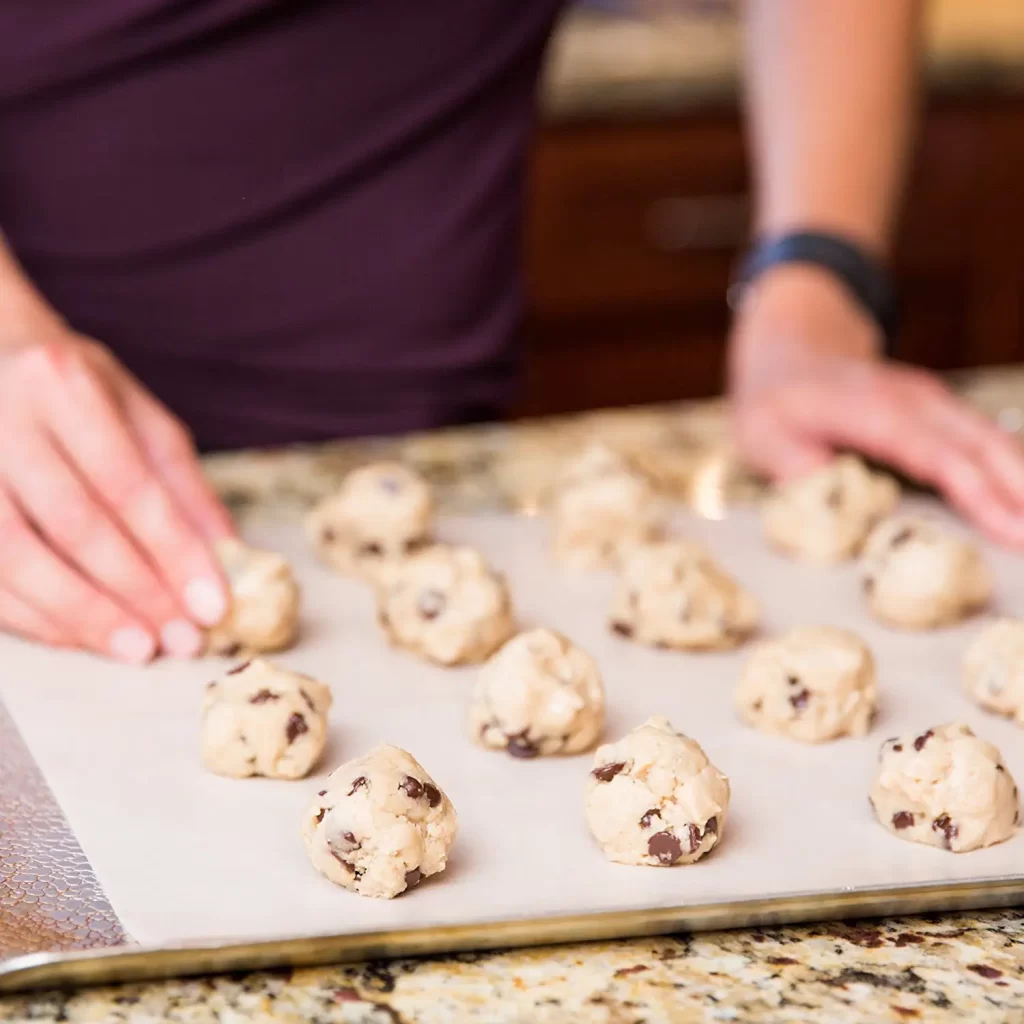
x=945 y=787
x=994 y=668
x=603 y=507
x=918 y=575
x=264 y=602
x=263 y=720
x=814 y=683
x=381 y=514
x=380 y=825
x=654 y=798
x=673 y=594
x=539 y=694
x=826 y=516
x=447 y=605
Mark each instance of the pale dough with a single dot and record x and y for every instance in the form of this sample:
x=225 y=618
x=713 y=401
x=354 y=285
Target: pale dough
x=814 y=683
x=654 y=798
x=826 y=516
x=673 y=594
x=603 y=508
x=382 y=513
x=994 y=668
x=540 y=694
x=918 y=575
x=447 y=605
x=380 y=825
x=260 y=719
x=945 y=787
x=264 y=602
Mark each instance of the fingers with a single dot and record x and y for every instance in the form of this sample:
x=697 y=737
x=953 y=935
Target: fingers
x=22 y=619
x=94 y=435
x=68 y=515
x=40 y=582
x=777 y=450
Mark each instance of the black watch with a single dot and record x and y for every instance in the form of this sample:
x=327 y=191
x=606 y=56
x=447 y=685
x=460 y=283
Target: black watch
x=866 y=279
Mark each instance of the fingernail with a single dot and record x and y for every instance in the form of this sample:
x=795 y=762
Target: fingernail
x=205 y=600
x=132 y=645
x=181 y=639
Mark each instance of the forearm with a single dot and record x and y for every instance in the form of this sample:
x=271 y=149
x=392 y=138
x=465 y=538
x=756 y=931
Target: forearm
x=24 y=312
x=830 y=98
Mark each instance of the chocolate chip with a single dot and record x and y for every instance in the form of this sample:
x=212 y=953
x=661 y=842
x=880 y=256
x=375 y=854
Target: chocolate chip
x=362 y=782
x=370 y=549
x=238 y=668
x=350 y=838
x=320 y=816
x=230 y=651
x=520 y=746
x=694 y=835
x=348 y=865
x=793 y=680
x=412 y=788
x=263 y=696
x=800 y=700
x=390 y=484
x=1000 y=768
x=309 y=700
x=413 y=877
x=867 y=584
x=946 y=827
x=622 y=628
x=711 y=825
x=665 y=847
x=902 y=537
x=923 y=739
x=414 y=544
x=649 y=816
x=432 y=793
x=898 y=747
x=834 y=498
x=296 y=727
x=323 y=792
x=902 y=819
x=211 y=686
x=431 y=603
x=607 y=772
x=758 y=704
x=327 y=535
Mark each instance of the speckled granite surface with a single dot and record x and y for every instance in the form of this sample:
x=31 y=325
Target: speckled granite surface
x=947 y=968
x=687 y=54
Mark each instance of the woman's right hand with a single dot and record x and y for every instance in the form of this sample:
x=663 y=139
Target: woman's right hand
x=106 y=520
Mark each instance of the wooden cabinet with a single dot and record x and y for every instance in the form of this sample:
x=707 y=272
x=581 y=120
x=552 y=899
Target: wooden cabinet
x=633 y=229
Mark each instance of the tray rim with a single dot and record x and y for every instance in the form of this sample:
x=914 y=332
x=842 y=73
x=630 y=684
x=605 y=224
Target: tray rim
x=132 y=963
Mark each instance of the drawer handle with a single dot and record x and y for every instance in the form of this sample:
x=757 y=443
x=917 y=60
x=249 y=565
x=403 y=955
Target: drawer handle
x=687 y=223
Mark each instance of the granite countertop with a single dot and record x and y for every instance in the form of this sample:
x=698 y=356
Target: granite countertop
x=936 y=969
x=678 y=55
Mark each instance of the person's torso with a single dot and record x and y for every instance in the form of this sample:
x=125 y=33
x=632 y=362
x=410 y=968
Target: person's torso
x=294 y=219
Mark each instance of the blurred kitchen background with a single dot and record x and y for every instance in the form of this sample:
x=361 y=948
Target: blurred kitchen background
x=639 y=200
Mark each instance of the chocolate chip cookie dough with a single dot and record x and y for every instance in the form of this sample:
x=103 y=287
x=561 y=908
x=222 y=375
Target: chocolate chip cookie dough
x=673 y=594
x=654 y=798
x=447 y=605
x=918 y=575
x=382 y=513
x=993 y=673
x=945 y=787
x=825 y=517
x=380 y=825
x=812 y=684
x=263 y=720
x=603 y=508
x=264 y=602
x=540 y=694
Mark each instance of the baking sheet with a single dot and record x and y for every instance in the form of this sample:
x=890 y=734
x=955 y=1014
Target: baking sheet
x=186 y=857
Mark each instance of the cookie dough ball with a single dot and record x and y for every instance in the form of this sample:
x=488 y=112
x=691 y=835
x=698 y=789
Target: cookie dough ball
x=602 y=509
x=826 y=516
x=263 y=720
x=380 y=826
x=654 y=798
x=382 y=513
x=672 y=594
x=447 y=605
x=994 y=668
x=918 y=575
x=264 y=612
x=945 y=787
x=812 y=684
x=539 y=694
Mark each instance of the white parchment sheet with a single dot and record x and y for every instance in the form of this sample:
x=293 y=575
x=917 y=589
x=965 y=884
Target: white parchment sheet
x=186 y=856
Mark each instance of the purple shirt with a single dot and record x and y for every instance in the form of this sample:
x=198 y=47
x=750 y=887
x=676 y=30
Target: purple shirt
x=292 y=219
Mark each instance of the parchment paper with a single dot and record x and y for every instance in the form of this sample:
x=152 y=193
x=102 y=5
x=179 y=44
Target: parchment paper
x=186 y=856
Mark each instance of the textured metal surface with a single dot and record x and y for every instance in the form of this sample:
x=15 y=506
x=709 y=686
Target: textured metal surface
x=49 y=898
